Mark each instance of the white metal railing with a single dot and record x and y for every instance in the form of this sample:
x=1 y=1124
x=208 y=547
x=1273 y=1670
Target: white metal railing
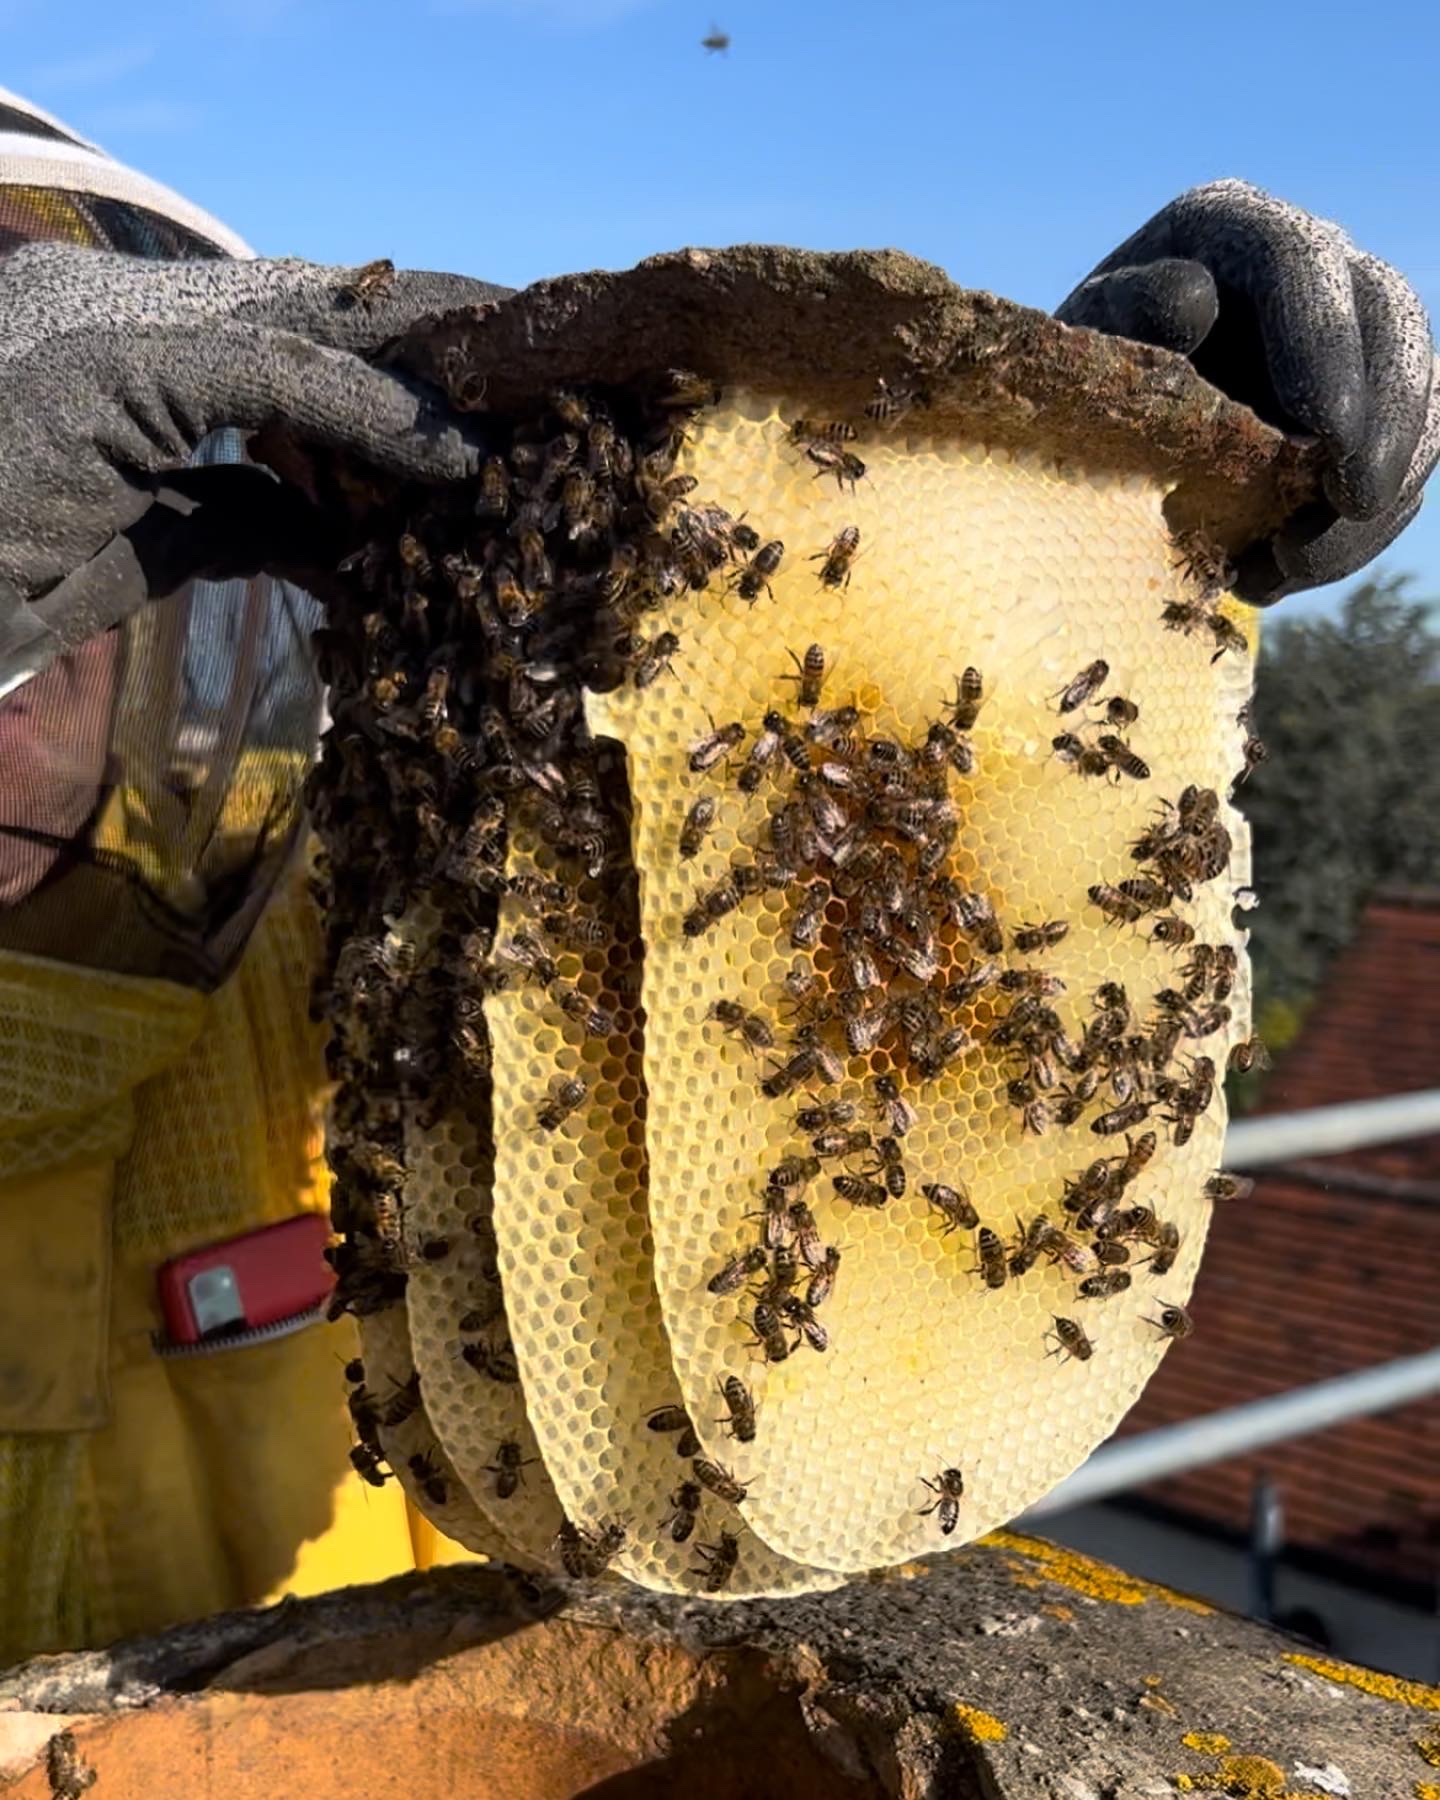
x=1238 y=1430
x=1330 y=1130
x=1172 y=1449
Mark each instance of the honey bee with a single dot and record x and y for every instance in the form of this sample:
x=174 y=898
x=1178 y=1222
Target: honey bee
x=976 y=918
x=1137 y=1157
x=1122 y=758
x=890 y=1167
x=1070 y=1253
x=893 y=1108
x=428 y=1478
x=833 y=728
x=1247 y=1055
x=656 y=660
x=945 y=745
x=404 y=1401
x=822 y=1279
x=1073 y=750
x=832 y=1112
x=891 y=404
x=369 y=1465
x=1226 y=966
x=1031 y=981
x=1105 y=1285
x=719 y=1480
x=1170 y=929
x=809 y=678
x=698 y=822
x=835 y=431
x=740 y=1406
x=1166 y=1248
x=972 y=983
x=1174 y=1322
x=969 y=697
x=1042 y=936
x=992 y=1263
x=949 y=1489
x=1119 y=908
x=749 y=1027
x=794 y=1171
x=1029 y=1242
x=1078 y=691
x=1120 y=712
x=799 y=1314
x=769 y=1332
x=936 y=1055
x=368 y=282
x=1222 y=1186
x=762 y=752
x=1226 y=636
x=1109 y=1253
x=1253 y=753
x=809 y=916
x=800 y=1067
x=507 y=1469
x=1121 y=1118
x=953 y=1205
x=1184 y=615
x=525 y=951
x=839 y=1142
x=718 y=1560
x=757 y=572
x=685 y=1506
x=801 y=1223
x=566 y=1095
x=1070 y=1341
x=842 y=464
x=584 y=1555
x=683 y=390
x=597 y=1021
x=712 y=906
x=859 y=1190
x=839 y=557
x=705 y=752
x=737 y=1271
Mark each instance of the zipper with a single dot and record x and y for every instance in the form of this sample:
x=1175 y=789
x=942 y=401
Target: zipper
x=239 y=1340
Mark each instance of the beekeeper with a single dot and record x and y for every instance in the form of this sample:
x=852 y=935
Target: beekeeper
x=164 y=1451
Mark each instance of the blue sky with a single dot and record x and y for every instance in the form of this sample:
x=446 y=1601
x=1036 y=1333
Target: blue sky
x=1013 y=144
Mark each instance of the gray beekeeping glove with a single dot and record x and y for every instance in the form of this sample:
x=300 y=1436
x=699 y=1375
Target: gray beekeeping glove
x=113 y=368
x=1281 y=311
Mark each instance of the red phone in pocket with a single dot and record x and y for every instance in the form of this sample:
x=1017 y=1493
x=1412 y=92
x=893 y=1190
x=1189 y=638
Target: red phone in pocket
x=259 y=1284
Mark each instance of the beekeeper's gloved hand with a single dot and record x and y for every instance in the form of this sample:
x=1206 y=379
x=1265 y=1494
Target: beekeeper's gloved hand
x=113 y=368
x=1279 y=310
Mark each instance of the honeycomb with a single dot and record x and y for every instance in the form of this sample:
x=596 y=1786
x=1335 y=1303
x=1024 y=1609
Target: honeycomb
x=385 y=1352
x=502 y=803
x=1009 y=565
x=471 y=1412
x=576 y=1258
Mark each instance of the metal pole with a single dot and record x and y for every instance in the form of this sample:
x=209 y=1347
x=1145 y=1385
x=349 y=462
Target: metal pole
x=1172 y=1449
x=1329 y=1130
x=1267 y=1540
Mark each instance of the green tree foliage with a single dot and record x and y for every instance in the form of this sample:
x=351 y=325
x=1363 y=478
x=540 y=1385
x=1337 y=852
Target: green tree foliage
x=1349 y=709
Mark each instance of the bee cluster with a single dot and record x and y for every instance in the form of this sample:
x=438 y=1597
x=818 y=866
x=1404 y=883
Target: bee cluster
x=477 y=842
x=896 y=955
x=455 y=664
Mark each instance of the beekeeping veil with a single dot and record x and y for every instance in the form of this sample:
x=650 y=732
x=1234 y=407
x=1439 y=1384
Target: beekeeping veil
x=148 y=781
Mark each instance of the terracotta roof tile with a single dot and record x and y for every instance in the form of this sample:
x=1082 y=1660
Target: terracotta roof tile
x=1303 y=1281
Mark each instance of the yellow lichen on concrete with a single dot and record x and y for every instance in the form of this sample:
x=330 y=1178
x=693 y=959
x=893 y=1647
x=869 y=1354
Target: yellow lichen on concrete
x=1096 y=1580
x=1369 y=1681
x=1429 y=1749
x=1242 y=1777
x=1208 y=1743
x=1427 y=1790
x=979 y=1727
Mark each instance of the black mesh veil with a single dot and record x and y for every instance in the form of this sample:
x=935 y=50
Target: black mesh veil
x=149 y=783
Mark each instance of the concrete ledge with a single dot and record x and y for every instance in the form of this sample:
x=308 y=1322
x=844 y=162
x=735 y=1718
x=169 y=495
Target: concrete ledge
x=1012 y=1668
